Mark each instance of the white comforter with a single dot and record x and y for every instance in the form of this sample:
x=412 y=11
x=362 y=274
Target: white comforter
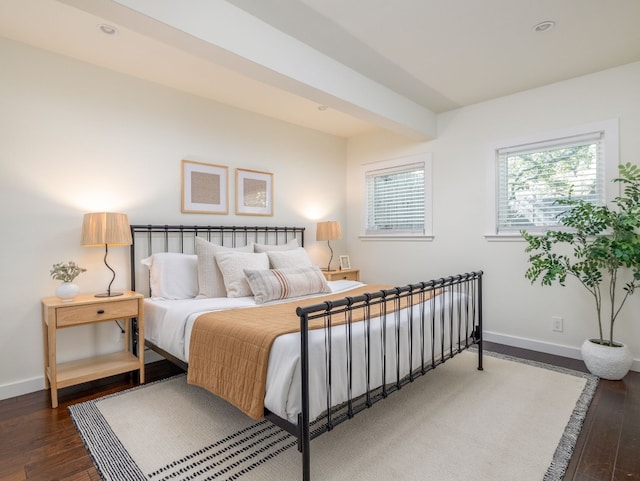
x=168 y=325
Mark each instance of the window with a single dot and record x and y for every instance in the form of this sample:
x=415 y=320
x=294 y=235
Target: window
x=532 y=176
x=396 y=194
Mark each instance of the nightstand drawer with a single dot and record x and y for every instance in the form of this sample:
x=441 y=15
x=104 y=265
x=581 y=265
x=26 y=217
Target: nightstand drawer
x=350 y=276
x=345 y=274
x=99 y=311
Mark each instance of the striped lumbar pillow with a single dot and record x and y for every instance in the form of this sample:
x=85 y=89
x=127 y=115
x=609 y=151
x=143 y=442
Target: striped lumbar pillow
x=271 y=284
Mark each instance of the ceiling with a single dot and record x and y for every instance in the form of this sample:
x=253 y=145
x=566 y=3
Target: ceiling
x=372 y=63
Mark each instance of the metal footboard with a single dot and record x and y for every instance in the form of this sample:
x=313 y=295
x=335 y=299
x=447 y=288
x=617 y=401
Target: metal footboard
x=384 y=339
x=388 y=339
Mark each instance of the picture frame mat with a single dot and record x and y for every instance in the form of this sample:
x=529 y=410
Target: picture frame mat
x=254 y=192
x=205 y=188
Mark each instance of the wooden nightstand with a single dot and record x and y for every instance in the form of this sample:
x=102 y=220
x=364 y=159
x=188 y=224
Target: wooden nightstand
x=87 y=309
x=344 y=274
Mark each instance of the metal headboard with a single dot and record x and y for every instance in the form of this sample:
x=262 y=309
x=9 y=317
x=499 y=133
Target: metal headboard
x=151 y=239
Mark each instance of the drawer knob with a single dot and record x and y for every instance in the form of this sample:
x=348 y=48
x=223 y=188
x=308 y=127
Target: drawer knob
x=100 y=311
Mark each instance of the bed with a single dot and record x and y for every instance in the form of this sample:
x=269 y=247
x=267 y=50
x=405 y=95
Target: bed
x=329 y=349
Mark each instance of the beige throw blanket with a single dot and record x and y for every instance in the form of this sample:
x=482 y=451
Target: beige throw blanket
x=229 y=350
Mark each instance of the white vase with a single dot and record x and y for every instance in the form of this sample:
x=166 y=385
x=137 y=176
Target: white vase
x=606 y=362
x=67 y=291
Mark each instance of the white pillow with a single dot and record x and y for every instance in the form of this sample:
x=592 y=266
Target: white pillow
x=272 y=284
x=173 y=275
x=232 y=266
x=289 y=258
x=292 y=244
x=210 y=281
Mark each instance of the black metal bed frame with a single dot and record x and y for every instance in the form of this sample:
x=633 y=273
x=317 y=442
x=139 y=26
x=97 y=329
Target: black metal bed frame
x=437 y=337
x=181 y=238
x=440 y=319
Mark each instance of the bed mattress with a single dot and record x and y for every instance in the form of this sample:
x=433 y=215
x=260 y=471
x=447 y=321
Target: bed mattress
x=168 y=325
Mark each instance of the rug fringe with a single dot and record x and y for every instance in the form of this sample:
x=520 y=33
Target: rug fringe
x=563 y=453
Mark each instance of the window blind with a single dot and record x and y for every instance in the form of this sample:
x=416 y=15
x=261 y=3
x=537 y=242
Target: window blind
x=395 y=200
x=532 y=177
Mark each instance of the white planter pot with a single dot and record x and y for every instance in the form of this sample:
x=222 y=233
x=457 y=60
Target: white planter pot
x=607 y=362
x=67 y=291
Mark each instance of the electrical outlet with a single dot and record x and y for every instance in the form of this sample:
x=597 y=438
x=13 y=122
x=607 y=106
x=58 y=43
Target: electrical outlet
x=557 y=324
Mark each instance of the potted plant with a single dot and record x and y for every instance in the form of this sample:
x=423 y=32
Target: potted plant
x=66 y=272
x=604 y=256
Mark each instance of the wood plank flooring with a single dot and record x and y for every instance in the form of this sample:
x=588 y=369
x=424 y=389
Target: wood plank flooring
x=40 y=443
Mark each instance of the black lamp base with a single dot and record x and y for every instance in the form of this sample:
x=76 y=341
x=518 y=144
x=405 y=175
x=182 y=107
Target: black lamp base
x=109 y=294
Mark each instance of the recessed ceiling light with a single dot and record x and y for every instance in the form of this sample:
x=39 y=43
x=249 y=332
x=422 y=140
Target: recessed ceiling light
x=544 y=26
x=108 y=29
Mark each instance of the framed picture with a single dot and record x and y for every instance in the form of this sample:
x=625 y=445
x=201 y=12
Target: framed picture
x=254 y=192
x=205 y=188
x=345 y=262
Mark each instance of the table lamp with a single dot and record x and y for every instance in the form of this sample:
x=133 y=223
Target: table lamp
x=106 y=229
x=329 y=231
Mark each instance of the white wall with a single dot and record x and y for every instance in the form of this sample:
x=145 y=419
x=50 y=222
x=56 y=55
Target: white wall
x=75 y=138
x=515 y=311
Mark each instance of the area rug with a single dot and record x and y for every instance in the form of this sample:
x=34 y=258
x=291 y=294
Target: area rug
x=514 y=420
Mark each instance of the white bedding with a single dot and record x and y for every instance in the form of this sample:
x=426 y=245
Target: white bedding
x=168 y=325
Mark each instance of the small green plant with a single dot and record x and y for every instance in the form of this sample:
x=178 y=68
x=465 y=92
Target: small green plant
x=66 y=272
x=604 y=245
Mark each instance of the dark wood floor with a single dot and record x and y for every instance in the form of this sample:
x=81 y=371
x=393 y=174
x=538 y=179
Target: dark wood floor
x=40 y=443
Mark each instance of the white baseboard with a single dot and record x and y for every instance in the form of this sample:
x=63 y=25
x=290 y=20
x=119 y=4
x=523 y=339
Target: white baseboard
x=546 y=347
x=21 y=387
x=37 y=383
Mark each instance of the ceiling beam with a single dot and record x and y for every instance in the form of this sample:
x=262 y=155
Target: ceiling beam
x=229 y=36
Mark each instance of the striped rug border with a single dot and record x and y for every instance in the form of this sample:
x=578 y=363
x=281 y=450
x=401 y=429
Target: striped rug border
x=114 y=462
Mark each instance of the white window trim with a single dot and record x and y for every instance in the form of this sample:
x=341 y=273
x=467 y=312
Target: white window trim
x=611 y=149
x=426 y=160
x=399 y=237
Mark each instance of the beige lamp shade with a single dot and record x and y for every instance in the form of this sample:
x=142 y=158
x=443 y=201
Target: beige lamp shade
x=329 y=230
x=106 y=228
